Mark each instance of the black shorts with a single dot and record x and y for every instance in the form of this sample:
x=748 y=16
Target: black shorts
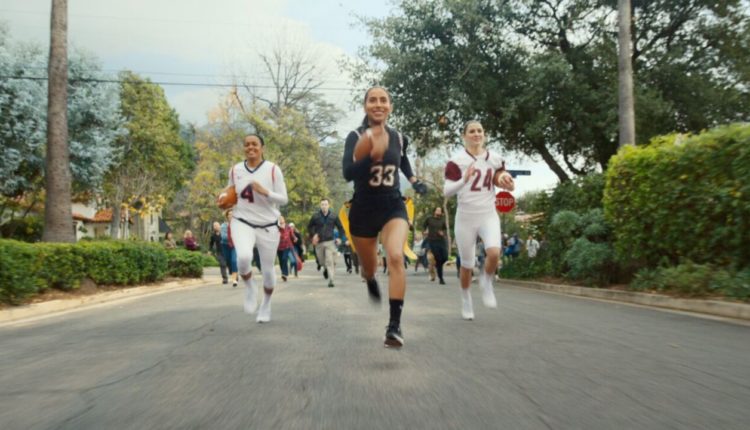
x=369 y=214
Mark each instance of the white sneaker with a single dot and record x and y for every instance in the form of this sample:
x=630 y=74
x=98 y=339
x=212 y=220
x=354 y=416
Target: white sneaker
x=488 y=293
x=264 y=313
x=467 y=309
x=251 y=298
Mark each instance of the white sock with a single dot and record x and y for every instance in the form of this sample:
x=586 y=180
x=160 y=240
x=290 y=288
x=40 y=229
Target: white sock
x=465 y=294
x=266 y=299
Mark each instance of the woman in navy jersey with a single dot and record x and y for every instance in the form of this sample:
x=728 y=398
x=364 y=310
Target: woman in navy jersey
x=373 y=155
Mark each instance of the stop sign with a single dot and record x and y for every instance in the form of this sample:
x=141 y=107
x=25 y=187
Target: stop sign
x=504 y=201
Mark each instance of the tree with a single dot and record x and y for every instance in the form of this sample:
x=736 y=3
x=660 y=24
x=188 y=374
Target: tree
x=331 y=155
x=542 y=75
x=296 y=80
x=288 y=143
x=94 y=122
x=153 y=161
x=58 y=221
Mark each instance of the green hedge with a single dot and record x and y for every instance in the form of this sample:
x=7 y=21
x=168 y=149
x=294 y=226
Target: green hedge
x=695 y=280
x=186 y=264
x=27 y=269
x=682 y=199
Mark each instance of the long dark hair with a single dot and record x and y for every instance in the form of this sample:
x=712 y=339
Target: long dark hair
x=365 y=123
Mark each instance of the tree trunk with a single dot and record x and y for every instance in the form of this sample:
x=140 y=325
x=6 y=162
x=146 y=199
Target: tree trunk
x=625 y=70
x=114 y=227
x=58 y=220
x=548 y=158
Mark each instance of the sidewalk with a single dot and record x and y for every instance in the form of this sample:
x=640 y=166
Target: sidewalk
x=718 y=308
x=55 y=307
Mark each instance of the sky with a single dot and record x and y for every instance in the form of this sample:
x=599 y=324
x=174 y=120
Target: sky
x=209 y=42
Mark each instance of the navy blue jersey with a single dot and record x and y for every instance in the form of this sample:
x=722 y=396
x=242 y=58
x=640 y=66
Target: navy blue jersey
x=377 y=178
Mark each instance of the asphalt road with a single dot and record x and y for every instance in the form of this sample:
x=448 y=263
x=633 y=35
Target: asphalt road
x=193 y=360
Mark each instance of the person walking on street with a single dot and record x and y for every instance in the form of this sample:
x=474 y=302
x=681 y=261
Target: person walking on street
x=214 y=245
x=260 y=189
x=472 y=175
x=532 y=246
x=434 y=228
x=298 y=248
x=320 y=230
x=420 y=249
x=285 y=251
x=373 y=155
x=227 y=247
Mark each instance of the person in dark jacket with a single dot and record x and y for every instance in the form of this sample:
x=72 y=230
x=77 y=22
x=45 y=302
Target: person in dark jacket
x=214 y=245
x=320 y=230
x=434 y=230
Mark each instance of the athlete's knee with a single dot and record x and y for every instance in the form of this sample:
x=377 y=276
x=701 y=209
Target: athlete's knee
x=492 y=253
x=396 y=258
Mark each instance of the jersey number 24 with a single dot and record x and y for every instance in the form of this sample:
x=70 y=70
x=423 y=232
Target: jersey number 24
x=487 y=183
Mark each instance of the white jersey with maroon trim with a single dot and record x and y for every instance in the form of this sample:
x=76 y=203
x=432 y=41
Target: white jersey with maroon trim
x=477 y=195
x=253 y=207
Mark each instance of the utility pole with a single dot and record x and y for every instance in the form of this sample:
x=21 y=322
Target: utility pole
x=625 y=71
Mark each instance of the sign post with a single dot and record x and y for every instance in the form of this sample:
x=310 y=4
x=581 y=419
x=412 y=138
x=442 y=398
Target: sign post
x=504 y=202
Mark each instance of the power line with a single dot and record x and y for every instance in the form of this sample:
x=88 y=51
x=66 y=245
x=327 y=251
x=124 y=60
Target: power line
x=141 y=19
x=203 y=75
x=184 y=84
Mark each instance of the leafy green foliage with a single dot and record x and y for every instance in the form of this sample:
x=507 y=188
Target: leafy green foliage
x=18 y=263
x=695 y=280
x=589 y=261
x=185 y=264
x=94 y=120
x=27 y=269
x=27 y=229
x=542 y=76
x=523 y=267
x=682 y=198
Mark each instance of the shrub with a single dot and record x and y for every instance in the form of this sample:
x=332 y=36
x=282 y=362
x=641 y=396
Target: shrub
x=60 y=266
x=18 y=267
x=27 y=229
x=27 y=269
x=208 y=260
x=590 y=262
x=682 y=199
x=183 y=263
x=523 y=267
x=695 y=280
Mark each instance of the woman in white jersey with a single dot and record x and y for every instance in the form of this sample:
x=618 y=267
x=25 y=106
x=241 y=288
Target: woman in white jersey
x=472 y=174
x=260 y=189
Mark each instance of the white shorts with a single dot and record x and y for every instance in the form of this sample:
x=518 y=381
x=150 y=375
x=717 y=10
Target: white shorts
x=266 y=239
x=468 y=227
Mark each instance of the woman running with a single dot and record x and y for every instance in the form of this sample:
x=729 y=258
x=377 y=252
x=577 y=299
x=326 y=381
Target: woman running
x=260 y=189
x=373 y=155
x=472 y=174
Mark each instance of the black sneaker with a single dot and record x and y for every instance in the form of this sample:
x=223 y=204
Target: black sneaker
x=373 y=290
x=330 y=284
x=325 y=273
x=393 y=336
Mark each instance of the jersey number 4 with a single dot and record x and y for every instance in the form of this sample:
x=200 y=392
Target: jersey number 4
x=247 y=193
x=487 y=183
x=383 y=175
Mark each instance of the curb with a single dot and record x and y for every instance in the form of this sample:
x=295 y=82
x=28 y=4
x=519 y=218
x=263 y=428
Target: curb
x=710 y=307
x=54 y=307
